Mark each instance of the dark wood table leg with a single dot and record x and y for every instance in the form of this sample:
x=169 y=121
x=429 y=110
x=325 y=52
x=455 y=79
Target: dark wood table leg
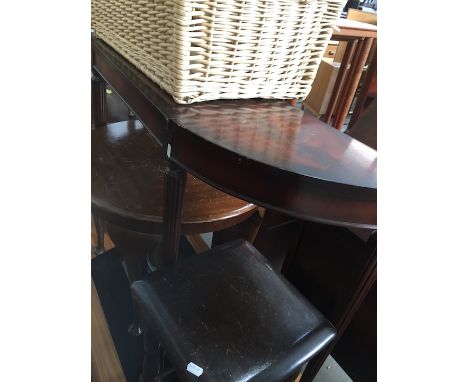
x=174 y=188
x=98 y=101
x=345 y=313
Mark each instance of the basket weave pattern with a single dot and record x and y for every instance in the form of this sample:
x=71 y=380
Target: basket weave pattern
x=200 y=50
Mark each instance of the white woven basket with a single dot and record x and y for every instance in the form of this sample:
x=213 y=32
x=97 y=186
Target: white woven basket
x=201 y=50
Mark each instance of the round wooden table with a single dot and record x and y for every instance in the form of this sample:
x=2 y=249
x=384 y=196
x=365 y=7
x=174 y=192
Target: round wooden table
x=127 y=186
x=127 y=191
x=128 y=170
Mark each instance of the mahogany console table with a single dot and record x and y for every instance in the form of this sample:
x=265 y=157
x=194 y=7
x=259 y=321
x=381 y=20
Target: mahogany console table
x=263 y=151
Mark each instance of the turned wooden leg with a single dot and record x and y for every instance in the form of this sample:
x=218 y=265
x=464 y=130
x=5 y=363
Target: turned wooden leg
x=99 y=225
x=98 y=101
x=173 y=198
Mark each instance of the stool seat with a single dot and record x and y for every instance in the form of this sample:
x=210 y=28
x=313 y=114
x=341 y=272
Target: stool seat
x=228 y=312
x=127 y=185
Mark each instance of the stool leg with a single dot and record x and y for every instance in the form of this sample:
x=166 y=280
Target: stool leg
x=136 y=269
x=153 y=361
x=99 y=225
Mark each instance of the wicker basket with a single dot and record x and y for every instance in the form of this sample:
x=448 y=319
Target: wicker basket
x=200 y=50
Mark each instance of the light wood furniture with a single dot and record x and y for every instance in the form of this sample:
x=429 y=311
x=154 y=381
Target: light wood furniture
x=363 y=17
x=371 y=73
x=330 y=52
x=360 y=46
x=321 y=91
x=337 y=79
x=356 y=15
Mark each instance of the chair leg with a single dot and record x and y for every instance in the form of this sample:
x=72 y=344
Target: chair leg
x=99 y=224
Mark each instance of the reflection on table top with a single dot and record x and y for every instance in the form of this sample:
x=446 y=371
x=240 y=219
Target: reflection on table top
x=284 y=137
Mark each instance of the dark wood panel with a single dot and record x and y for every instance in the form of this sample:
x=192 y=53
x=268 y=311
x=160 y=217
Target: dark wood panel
x=335 y=269
x=356 y=352
x=273 y=188
x=282 y=137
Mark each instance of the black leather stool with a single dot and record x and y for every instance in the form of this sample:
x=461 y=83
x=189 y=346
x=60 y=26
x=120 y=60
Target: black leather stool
x=226 y=315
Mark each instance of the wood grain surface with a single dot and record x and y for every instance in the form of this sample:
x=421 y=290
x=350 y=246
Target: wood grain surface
x=128 y=170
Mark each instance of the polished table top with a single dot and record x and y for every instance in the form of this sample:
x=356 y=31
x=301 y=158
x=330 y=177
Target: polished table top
x=266 y=152
x=127 y=185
